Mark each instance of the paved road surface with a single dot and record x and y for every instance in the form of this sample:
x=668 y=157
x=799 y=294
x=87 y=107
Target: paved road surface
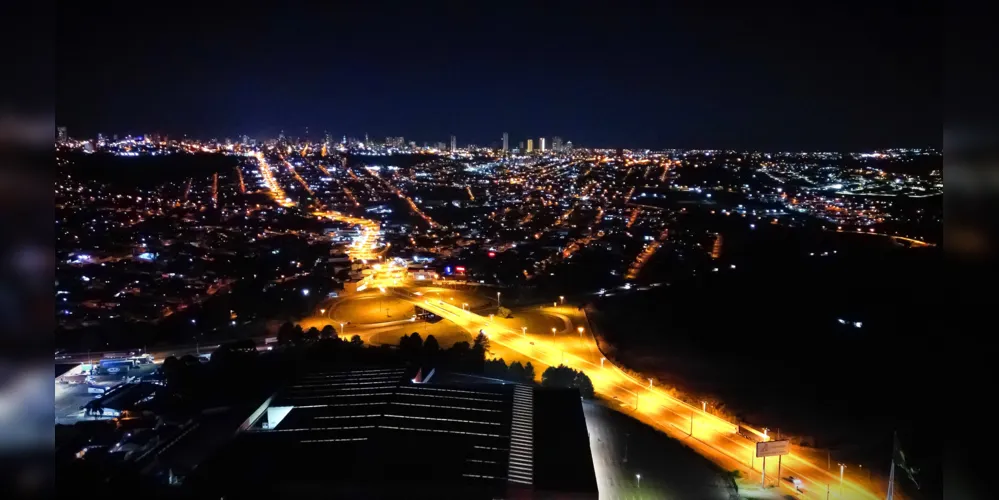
x=669 y=470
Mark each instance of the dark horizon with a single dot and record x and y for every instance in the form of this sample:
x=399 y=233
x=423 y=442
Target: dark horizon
x=634 y=78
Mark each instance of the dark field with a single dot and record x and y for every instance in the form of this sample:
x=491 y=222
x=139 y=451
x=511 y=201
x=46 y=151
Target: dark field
x=764 y=338
x=148 y=171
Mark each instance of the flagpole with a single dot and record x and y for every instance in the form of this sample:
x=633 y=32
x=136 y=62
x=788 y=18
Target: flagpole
x=891 y=472
x=891 y=482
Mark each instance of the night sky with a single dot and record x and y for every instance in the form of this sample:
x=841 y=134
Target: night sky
x=656 y=77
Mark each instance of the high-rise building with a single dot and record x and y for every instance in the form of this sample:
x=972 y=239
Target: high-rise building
x=530 y=145
x=394 y=142
x=62 y=137
x=454 y=144
x=541 y=142
x=100 y=138
x=506 y=142
x=520 y=146
x=556 y=144
x=440 y=146
x=568 y=145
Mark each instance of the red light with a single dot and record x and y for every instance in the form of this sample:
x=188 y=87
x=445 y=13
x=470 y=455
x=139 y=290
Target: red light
x=460 y=269
x=492 y=254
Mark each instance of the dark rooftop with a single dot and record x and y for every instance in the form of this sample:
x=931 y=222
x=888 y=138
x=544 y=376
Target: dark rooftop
x=562 y=456
x=375 y=433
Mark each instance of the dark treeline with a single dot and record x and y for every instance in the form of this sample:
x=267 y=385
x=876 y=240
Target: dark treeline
x=147 y=171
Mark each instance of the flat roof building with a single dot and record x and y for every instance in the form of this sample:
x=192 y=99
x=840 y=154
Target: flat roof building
x=393 y=433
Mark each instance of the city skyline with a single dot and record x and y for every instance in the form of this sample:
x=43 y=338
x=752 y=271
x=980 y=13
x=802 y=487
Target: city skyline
x=655 y=78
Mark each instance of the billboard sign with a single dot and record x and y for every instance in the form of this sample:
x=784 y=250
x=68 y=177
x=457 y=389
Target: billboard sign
x=773 y=448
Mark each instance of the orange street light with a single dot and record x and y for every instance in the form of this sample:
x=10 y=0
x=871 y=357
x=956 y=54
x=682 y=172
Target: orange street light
x=561 y=298
x=553 y=331
x=580 y=330
x=523 y=330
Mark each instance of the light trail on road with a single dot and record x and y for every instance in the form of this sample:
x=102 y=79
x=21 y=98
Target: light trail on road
x=275 y=189
x=242 y=187
x=362 y=248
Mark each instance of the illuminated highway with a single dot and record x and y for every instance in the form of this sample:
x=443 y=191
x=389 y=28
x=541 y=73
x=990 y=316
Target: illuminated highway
x=710 y=435
x=362 y=248
x=272 y=185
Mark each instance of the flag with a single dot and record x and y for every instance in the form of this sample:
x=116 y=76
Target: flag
x=898 y=458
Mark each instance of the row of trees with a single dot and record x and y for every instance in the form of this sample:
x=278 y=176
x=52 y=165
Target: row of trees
x=236 y=370
x=516 y=372
x=294 y=335
x=563 y=376
x=460 y=357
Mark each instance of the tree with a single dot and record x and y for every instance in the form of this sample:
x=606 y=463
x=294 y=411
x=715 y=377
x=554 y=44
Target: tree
x=481 y=342
x=411 y=345
x=328 y=332
x=583 y=383
x=431 y=346
x=563 y=376
x=286 y=334
x=529 y=374
x=356 y=341
x=460 y=348
x=496 y=368
x=171 y=370
x=312 y=334
x=516 y=371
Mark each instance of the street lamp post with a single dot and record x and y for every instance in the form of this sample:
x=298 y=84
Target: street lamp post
x=638 y=477
x=580 y=330
x=602 y=362
x=523 y=330
x=498 y=303
x=841 y=467
x=561 y=299
x=704 y=406
x=650 y=383
x=341 y=328
x=490 y=318
x=553 y=331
